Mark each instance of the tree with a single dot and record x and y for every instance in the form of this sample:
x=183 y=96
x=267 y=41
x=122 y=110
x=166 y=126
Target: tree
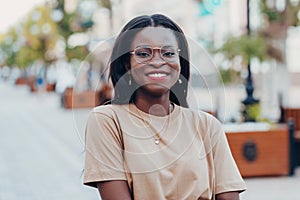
x=9 y=51
x=268 y=43
x=41 y=34
x=276 y=24
x=246 y=47
x=69 y=24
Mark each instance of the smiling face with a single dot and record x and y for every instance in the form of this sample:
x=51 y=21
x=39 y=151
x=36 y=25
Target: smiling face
x=161 y=72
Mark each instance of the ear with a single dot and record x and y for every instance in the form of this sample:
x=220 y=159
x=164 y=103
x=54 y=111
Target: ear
x=127 y=67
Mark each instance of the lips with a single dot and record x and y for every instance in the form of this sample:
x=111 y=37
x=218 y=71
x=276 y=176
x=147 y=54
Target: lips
x=157 y=75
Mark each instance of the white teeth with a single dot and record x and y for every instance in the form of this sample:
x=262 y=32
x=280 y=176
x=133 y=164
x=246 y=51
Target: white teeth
x=157 y=75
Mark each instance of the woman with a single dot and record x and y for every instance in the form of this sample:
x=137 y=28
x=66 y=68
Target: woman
x=147 y=144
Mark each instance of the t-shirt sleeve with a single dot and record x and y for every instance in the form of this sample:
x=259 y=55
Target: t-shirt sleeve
x=227 y=175
x=103 y=149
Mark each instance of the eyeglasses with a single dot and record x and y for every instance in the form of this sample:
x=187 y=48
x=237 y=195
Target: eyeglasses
x=143 y=54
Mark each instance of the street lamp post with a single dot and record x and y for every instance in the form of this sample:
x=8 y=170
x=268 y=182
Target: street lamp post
x=250 y=100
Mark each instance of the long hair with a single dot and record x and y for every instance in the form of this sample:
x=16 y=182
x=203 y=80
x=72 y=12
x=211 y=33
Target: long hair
x=120 y=60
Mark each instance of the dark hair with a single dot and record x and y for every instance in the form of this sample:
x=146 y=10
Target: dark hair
x=120 y=59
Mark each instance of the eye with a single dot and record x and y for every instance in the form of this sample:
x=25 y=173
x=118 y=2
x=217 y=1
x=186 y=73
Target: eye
x=168 y=53
x=143 y=52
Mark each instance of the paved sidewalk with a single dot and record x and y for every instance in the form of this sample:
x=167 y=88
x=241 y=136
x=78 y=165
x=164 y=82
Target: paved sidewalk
x=273 y=188
x=41 y=152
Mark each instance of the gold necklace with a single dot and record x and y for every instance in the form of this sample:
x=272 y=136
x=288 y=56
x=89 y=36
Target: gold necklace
x=156 y=134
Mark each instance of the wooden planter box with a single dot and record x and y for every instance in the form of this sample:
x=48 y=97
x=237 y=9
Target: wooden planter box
x=31 y=81
x=28 y=80
x=261 y=153
x=85 y=99
x=50 y=87
x=23 y=80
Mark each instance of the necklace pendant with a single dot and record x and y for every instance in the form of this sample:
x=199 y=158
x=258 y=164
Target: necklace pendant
x=156 y=141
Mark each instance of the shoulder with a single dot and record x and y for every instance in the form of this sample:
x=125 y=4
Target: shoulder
x=109 y=110
x=202 y=116
x=109 y=113
x=102 y=114
x=103 y=109
x=205 y=123
x=103 y=119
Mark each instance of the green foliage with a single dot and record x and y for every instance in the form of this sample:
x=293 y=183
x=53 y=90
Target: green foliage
x=293 y=11
x=247 y=47
x=288 y=16
x=78 y=52
x=64 y=26
x=106 y=4
x=226 y=76
x=11 y=59
x=7 y=47
x=37 y=37
x=230 y=76
x=252 y=112
x=257 y=46
x=27 y=56
x=39 y=42
x=271 y=13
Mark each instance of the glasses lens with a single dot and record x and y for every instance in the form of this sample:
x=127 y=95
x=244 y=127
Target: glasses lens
x=169 y=54
x=143 y=54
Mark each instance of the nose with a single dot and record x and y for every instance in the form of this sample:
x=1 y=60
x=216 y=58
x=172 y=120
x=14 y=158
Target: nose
x=157 y=60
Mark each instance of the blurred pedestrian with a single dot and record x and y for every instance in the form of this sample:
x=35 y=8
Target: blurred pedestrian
x=147 y=144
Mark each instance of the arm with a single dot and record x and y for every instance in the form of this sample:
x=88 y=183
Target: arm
x=114 y=190
x=228 y=180
x=104 y=162
x=228 y=196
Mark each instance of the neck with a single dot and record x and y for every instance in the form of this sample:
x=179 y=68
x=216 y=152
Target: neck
x=155 y=106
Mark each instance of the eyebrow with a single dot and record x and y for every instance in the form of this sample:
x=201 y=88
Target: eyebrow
x=156 y=46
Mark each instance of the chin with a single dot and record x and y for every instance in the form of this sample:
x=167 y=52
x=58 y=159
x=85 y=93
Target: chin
x=155 y=89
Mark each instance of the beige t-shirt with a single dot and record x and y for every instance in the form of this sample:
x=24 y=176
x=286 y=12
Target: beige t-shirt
x=192 y=160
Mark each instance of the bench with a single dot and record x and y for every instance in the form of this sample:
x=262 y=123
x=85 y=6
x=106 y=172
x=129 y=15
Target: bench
x=292 y=115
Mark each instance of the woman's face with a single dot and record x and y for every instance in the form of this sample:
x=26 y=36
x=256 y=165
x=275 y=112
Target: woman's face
x=154 y=59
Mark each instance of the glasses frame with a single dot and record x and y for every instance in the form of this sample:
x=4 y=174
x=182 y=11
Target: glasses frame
x=177 y=50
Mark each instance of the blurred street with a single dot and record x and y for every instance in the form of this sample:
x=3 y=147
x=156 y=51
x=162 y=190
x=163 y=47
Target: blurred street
x=41 y=152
